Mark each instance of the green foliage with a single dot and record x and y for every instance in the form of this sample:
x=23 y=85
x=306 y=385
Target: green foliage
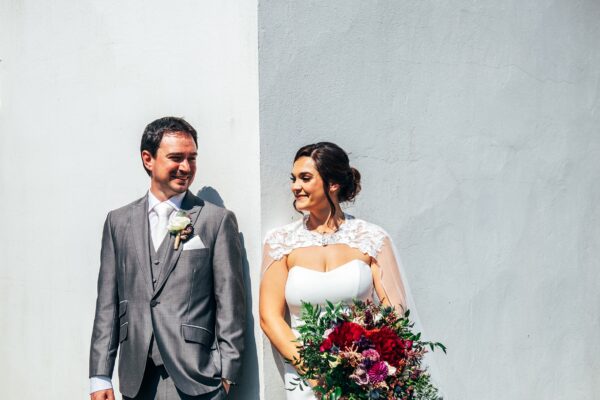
x=333 y=372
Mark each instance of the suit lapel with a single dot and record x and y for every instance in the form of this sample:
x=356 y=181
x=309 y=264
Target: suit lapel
x=192 y=205
x=139 y=230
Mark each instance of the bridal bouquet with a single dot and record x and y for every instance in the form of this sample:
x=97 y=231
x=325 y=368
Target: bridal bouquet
x=363 y=351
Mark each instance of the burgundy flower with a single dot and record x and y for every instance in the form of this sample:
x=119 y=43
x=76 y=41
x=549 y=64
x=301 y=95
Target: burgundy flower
x=387 y=343
x=378 y=372
x=368 y=318
x=326 y=345
x=344 y=335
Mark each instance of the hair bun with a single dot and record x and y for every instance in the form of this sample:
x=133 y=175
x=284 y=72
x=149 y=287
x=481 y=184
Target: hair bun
x=353 y=187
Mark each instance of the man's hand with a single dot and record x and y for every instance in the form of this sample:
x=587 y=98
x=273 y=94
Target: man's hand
x=103 y=395
x=226 y=386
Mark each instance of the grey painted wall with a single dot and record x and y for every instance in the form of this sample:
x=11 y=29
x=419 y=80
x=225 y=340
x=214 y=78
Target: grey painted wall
x=476 y=127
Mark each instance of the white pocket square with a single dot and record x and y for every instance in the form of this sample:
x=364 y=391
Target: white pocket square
x=193 y=244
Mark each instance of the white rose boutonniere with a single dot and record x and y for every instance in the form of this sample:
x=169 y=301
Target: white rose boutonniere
x=180 y=225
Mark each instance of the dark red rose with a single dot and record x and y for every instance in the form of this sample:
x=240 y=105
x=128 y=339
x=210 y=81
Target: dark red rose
x=388 y=345
x=345 y=335
x=326 y=345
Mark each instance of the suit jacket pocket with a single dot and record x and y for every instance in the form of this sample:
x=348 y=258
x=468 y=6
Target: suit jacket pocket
x=197 y=334
x=123 y=331
x=122 y=308
x=195 y=255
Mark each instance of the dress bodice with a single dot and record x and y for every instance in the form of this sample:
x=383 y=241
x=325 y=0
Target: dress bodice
x=352 y=280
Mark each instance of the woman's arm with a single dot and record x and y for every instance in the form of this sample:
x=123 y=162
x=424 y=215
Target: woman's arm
x=272 y=310
x=392 y=291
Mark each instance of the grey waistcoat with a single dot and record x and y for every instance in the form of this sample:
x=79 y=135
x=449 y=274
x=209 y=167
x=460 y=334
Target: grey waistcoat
x=157 y=261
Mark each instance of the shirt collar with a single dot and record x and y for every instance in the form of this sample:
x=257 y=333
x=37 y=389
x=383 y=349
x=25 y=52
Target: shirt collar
x=174 y=201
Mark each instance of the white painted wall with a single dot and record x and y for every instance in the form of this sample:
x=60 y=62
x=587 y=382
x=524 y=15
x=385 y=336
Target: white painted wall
x=476 y=127
x=78 y=83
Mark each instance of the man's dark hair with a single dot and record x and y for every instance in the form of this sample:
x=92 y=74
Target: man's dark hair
x=155 y=131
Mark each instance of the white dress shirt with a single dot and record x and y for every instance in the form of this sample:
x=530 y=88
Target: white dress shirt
x=104 y=382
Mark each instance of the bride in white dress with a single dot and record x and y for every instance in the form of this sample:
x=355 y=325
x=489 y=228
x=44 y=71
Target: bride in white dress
x=327 y=255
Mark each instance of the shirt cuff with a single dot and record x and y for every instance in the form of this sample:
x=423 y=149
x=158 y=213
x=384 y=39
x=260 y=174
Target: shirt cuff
x=100 y=383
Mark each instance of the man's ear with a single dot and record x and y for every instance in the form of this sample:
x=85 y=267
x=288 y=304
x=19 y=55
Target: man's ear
x=147 y=159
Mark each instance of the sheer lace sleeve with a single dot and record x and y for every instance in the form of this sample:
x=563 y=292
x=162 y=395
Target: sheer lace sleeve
x=391 y=274
x=277 y=244
x=396 y=287
x=267 y=258
x=394 y=279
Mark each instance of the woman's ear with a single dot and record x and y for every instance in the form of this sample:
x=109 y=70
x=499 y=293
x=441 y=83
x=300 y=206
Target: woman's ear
x=334 y=187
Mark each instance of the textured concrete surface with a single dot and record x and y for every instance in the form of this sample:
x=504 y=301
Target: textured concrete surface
x=476 y=127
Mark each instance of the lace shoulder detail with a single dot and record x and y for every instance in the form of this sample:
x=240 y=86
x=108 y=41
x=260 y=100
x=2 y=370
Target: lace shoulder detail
x=365 y=236
x=368 y=238
x=281 y=240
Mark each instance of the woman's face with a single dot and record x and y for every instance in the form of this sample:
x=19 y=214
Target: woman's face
x=307 y=186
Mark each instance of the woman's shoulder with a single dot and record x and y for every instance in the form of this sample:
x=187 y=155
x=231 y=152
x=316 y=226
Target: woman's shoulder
x=282 y=233
x=362 y=226
x=367 y=236
x=282 y=240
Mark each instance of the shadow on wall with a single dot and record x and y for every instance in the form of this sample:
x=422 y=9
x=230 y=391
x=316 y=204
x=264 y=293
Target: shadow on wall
x=210 y=194
x=248 y=386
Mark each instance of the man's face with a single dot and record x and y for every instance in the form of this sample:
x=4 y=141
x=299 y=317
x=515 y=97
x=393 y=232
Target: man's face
x=174 y=166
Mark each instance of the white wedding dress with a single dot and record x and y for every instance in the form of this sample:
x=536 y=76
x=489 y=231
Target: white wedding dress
x=349 y=281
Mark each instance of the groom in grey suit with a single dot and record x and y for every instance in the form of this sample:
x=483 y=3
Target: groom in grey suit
x=173 y=305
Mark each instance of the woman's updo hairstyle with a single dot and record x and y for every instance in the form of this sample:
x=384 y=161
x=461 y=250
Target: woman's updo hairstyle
x=334 y=167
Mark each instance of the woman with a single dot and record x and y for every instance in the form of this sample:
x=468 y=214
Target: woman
x=328 y=255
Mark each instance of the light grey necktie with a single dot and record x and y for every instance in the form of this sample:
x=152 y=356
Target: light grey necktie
x=159 y=228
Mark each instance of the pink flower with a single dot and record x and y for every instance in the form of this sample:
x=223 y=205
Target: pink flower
x=360 y=375
x=378 y=372
x=371 y=355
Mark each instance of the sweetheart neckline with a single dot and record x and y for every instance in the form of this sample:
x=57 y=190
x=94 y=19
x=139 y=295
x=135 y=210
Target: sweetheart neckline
x=331 y=270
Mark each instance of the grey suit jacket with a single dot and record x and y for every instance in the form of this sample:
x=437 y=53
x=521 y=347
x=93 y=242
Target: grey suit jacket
x=196 y=309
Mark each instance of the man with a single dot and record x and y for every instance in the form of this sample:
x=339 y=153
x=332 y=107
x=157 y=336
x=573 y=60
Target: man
x=170 y=290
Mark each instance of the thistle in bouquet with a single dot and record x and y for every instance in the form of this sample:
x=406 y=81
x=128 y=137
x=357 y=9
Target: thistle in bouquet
x=363 y=350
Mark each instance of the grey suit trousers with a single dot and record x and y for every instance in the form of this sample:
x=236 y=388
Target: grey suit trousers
x=158 y=385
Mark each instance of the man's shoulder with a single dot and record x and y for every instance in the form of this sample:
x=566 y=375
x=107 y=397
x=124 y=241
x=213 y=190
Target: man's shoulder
x=213 y=208
x=215 y=212
x=213 y=216
x=124 y=211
